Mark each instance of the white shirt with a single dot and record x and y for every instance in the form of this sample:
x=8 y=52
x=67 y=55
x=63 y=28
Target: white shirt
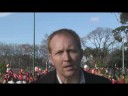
x=8 y=69
x=82 y=79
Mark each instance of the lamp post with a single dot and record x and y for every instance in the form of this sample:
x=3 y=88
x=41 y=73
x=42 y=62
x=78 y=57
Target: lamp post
x=112 y=60
x=34 y=47
x=47 y=64
x=123 y=54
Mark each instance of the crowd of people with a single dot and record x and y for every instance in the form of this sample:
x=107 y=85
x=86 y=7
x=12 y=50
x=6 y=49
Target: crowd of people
x=105 y=72
x=21 y=77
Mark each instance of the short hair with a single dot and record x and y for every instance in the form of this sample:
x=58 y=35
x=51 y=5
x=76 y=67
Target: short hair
x=64 y=32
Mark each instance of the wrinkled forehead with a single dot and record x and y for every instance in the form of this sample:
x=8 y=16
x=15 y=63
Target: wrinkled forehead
x=63 y=34
x=64 y=38
x=63 y=42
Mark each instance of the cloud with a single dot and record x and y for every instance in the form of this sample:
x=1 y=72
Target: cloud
x=3 y=14
x=95 y=19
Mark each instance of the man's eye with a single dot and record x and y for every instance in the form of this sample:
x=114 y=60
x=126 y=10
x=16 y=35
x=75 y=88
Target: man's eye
x=72 y=51
x=60 y=52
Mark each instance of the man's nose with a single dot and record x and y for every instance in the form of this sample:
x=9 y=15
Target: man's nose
x=66 y=56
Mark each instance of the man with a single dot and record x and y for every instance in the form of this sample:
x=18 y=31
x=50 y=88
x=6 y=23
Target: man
x=65 y=53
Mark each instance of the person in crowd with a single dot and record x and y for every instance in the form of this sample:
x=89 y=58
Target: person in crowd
x=86 y=68
x=114 y=80
x=122 y=81
x=8 y=68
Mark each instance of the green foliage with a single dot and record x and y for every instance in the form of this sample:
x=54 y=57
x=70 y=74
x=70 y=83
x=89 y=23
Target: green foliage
x=126 y=79
x=2 y=68
x=102 y=71
x=117 y=32
x=120 y=29
x=123 y=18
x=100 y=65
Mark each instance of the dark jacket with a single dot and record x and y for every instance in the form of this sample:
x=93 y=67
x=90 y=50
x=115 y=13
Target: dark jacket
x=89 y=78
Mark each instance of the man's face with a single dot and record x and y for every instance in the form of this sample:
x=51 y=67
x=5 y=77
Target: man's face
x=65 y=55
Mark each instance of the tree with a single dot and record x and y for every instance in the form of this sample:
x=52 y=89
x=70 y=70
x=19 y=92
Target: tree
x=118 y=34
x=124 y=18
x=100 y=39
x=44 y=50
x=122 y=29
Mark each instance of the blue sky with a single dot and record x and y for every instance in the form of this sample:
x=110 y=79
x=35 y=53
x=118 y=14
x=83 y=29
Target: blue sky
x=18 y=27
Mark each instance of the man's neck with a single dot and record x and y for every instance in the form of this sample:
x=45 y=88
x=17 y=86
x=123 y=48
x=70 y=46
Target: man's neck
x=72 y=79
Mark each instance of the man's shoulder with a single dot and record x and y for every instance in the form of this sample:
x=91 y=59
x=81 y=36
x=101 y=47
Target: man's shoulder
x=50 y=77
x=92 y=78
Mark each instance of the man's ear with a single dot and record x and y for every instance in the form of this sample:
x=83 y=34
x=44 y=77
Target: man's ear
x=50 y=59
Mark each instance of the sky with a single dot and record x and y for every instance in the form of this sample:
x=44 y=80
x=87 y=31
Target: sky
x=18 y=27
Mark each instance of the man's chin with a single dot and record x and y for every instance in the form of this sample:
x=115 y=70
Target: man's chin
x=69 y=73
